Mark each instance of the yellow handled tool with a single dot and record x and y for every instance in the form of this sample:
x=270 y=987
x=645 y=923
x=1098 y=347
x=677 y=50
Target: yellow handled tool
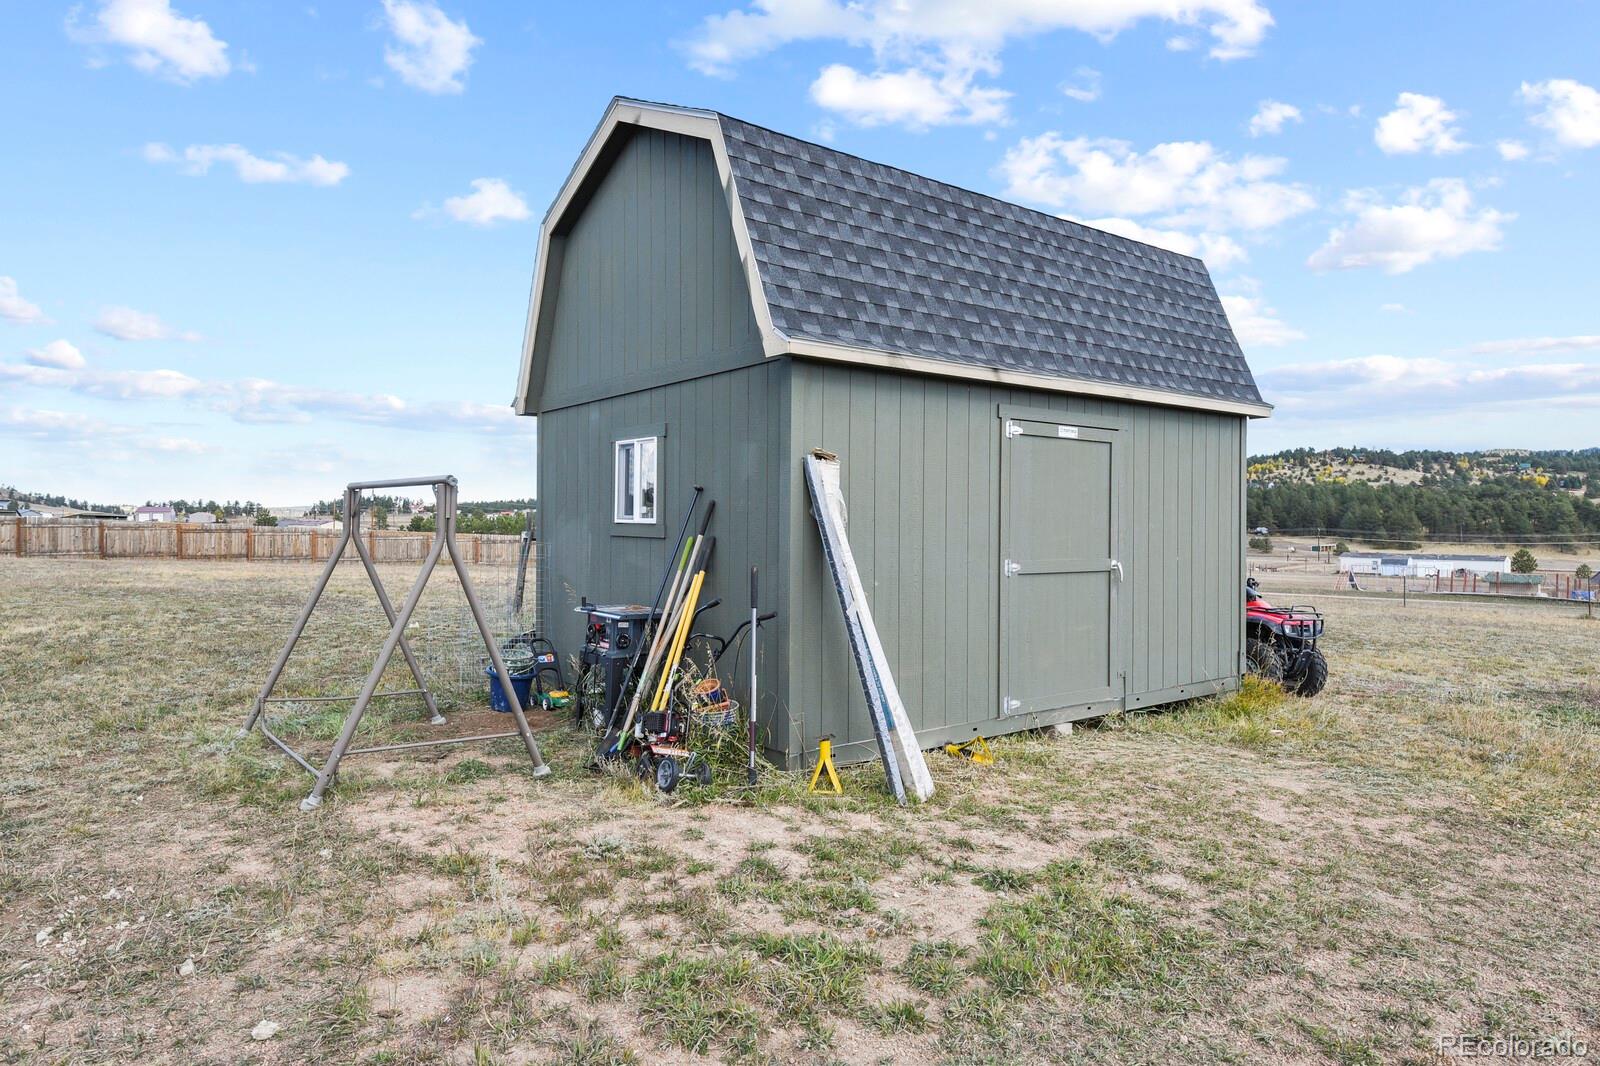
x=670 y=668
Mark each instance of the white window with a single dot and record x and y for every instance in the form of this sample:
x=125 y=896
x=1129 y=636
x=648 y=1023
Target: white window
x=636 y=480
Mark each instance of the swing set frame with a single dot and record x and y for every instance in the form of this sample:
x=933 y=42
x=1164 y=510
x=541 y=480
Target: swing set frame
x=446 y=493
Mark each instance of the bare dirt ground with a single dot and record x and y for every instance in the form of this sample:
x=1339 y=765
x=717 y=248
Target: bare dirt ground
x=1255 y=879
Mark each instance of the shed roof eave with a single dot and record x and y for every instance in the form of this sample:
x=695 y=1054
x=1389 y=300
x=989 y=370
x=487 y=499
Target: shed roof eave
x=916 y=364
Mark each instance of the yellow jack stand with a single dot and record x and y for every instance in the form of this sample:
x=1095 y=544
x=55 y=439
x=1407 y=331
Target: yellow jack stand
x=977 y=749
x=825 y=762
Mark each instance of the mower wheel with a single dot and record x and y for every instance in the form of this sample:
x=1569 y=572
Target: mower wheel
x=1316 y=674
x=645 y=767
x=702 y=773
x=667 y=773
x=1265 y=661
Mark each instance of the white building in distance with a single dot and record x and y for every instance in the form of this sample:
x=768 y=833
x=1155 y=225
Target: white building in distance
x=1422 y=564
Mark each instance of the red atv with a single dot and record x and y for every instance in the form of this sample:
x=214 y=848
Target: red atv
x=1281 y=643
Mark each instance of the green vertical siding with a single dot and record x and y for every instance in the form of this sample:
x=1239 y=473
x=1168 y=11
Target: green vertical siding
x=921 y=462
x=725 y=431
x=650 y=287
x=652 y=325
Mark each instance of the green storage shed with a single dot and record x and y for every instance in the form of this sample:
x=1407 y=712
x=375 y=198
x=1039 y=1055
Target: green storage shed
x=1041 y=425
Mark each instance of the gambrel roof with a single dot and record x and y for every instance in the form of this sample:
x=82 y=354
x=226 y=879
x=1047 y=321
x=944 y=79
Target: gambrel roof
x=852 y=260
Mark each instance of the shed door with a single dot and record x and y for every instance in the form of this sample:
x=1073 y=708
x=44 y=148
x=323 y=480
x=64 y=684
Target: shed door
x=1059 y=572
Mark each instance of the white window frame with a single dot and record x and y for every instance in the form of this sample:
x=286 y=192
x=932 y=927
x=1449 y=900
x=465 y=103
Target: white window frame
x=626 y=491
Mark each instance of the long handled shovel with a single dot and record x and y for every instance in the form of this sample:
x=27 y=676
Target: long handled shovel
x=659 y=644
x=684 y=554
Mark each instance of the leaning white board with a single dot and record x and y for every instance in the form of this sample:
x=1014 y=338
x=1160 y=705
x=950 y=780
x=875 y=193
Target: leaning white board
x=902 y=754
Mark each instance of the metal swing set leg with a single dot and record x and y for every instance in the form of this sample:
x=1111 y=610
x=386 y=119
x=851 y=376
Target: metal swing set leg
x=445 y=491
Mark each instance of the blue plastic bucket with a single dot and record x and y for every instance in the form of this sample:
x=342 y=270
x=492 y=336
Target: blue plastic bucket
x=522 y=683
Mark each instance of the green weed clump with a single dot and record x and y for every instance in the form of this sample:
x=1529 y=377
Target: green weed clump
x=1258 y=715
x=1070 y=932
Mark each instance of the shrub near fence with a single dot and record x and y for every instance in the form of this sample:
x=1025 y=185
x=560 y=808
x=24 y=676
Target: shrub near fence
x=178 y=540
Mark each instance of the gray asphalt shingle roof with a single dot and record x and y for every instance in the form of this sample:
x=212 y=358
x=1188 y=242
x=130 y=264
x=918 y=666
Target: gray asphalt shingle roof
x=865 y=255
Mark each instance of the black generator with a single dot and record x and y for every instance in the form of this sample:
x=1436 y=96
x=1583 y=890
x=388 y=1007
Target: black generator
x=613 y=634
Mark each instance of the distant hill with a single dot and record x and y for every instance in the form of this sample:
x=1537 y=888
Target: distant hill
x=9 y=492
x=1571 y=470
x=1398 y=498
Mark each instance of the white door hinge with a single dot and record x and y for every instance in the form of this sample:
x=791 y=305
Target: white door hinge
x=1007 y=704
x=1013 y=429
x=1011 y=569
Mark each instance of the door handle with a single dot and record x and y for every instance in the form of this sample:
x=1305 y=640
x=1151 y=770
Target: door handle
x=1117 y=566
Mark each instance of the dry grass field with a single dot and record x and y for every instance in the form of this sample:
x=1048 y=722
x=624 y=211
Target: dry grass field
x=1254 y=879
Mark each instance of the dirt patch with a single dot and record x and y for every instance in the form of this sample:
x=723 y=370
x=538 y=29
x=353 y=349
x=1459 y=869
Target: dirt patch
x=1345 y=879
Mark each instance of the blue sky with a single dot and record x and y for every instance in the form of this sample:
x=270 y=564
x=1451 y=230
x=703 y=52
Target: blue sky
x=255 y=250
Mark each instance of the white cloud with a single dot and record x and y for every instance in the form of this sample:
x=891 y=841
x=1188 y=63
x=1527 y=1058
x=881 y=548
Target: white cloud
x=257 y=400
x=1511 y=151
x=1378 y=385
x=1182 y=183
x=431 y=52
x=951 y=26
x=159 y=40
x=1271 y=117
x=57 y=354
x=13 y=308
x=490 y=201
x=1516 y=345
x=1394 y=309
x=1570 y=110
x=1418 y=124
x=126 y=324
x=911 y=97
x=104 y=384
x=1434 y=221
x=929 y=54
x=1087 y=88
x=197 y=159
x=75 y=428
x=1257 y=325
x=1218 y=250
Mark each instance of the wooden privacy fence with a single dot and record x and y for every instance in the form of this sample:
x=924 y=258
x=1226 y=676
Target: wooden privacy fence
x=180 y=540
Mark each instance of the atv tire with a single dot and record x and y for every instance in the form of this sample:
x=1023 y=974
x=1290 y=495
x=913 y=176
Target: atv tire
x=1315 y=677
x=1265 y=661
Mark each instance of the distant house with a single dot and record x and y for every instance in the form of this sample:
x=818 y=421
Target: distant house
x=201 y=518
x=1382 y=563
x=1436 y=564
x=88 y=515
x=312 y=522
x=1422 y=564
x=1516 y=584
x=18 y=509
x=161 y=513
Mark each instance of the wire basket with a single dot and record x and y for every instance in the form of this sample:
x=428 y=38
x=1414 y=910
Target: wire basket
x=710 y=706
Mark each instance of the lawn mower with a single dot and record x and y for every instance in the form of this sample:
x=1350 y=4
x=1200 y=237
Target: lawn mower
x=1281 y=643
x=530 y=654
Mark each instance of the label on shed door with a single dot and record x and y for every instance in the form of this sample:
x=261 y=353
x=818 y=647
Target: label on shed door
x=1067 y=431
